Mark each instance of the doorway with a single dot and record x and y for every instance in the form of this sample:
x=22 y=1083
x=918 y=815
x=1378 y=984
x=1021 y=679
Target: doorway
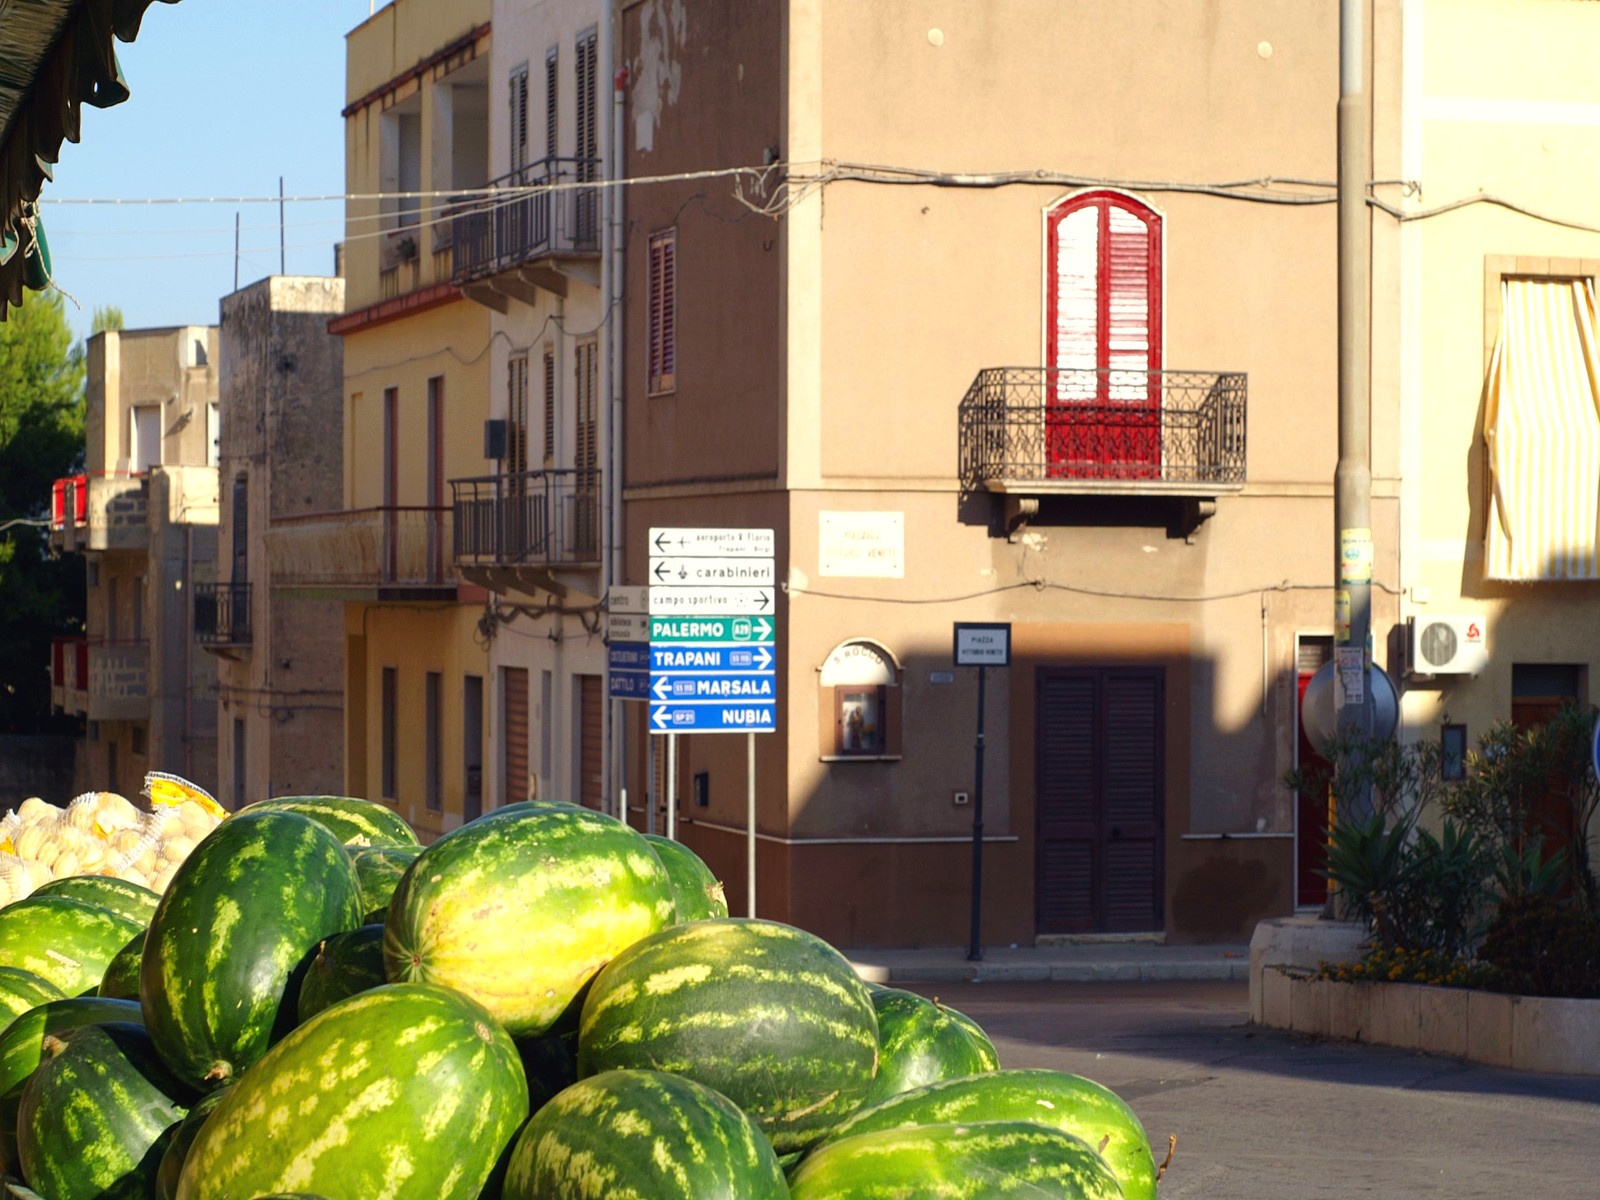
x=1100 y=799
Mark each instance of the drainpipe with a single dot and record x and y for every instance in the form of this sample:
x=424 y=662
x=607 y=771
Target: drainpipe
x=616 y=731
x=1352 y=485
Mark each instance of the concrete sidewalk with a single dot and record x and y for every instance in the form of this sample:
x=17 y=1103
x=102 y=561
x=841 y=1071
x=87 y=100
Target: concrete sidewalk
x=1076 y=962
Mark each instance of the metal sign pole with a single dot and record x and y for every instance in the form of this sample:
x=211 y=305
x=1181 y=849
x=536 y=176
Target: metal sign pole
x=975 y=952
x=672 y=787
x=750 y=823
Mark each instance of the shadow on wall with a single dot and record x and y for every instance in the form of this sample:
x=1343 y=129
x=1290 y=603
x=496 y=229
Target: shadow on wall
x=877 y=851
x=36 y=765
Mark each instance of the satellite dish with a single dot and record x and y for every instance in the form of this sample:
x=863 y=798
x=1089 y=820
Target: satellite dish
x=1319 y=718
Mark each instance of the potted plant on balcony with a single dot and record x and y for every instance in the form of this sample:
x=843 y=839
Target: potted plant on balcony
x=406 y=248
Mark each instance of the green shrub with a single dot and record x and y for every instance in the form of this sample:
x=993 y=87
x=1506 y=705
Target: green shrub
x=1538 y=946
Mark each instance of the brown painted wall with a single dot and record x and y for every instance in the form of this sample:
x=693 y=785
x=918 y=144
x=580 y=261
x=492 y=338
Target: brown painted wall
x=711 y=102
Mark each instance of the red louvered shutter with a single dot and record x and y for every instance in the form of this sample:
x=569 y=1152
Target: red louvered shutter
x=1103 y=414
x=662 y=342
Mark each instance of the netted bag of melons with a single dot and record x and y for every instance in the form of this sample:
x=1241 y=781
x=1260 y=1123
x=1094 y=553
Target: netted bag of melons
x=18 y=879
x=135 y=854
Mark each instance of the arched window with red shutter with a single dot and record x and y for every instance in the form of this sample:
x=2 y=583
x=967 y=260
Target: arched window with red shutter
x=1103 y=337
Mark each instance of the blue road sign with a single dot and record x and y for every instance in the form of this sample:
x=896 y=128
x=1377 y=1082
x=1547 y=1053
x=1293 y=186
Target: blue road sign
x=751 y=685
x=715 y=717
x=679 y=656
x=628 y=670
x=629 y=685
x=629 y=656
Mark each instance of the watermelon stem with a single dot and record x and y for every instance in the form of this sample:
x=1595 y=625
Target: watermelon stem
x=1172 y=1146
x=52 y=1045
x=219 y=1071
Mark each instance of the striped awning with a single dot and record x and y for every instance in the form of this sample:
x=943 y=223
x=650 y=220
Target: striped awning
x=1542 y=425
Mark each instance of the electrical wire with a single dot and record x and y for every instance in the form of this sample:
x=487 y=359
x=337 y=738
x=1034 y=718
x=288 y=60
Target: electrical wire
x=1047 y=585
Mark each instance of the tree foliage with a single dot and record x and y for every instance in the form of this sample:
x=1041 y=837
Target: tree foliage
x=41 y=439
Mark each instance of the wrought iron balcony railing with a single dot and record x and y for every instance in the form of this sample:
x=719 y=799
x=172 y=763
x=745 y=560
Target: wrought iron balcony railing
x=526 y=214
x=1064 y=428
x=533 y=518
x=222 y=614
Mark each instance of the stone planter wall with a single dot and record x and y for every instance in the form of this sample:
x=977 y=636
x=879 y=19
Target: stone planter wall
x=1527 y=1033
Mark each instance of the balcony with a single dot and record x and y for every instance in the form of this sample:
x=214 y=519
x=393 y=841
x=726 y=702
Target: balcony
x=119 y=680
x=527 y=234
x=69 y=675
x=376 y=554
x=103 y=511
x=222 y=615
x=536 y=531
x=1030 y=432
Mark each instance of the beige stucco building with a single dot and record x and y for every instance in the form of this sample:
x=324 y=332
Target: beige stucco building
x=1039 y=306
x=145 y=514
x=417 y=358
x=279 y=646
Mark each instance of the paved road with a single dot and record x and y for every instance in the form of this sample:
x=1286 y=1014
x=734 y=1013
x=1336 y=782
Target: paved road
x=1263 y=1115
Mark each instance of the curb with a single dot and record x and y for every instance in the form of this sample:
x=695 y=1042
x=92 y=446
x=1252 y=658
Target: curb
x=1230 y=971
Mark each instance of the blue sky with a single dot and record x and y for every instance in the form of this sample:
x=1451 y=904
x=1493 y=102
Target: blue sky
x=226 y=96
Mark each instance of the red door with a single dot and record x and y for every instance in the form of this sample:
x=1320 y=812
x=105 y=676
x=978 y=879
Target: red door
x=1103 y=321
x=1311 y=826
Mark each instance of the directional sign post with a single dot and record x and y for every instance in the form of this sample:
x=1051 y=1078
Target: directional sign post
x=712 y=661
x=627 y=643
x=983 y=646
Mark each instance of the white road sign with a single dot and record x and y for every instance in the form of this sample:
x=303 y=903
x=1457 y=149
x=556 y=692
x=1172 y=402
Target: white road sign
x=697 y=572
x=712 y=543
x=709 y=601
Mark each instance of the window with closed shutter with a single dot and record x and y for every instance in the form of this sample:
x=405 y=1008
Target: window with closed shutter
x=587 y=143
x=586 y=448
x=551 y=111
x=549 y=408
x=517 y=414
x=662 y=338
x=1103 y=337
x=518 y=124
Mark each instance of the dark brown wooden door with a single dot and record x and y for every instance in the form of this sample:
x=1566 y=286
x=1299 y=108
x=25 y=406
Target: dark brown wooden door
x=1100 y=789
x=514 y=711
x=591 y=737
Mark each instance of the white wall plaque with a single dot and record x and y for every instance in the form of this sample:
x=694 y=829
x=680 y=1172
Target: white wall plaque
x=862 y=545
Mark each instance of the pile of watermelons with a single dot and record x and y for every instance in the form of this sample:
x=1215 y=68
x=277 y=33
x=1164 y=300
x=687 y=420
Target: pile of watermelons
x=542 y=1005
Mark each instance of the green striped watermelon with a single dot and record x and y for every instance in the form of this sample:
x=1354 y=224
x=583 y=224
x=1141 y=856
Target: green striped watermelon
x=22 y=1041
x=119 y=895
x=769 y=1015
x=93 y=1112
x=520 y=908
x=696 y=894
x=353 y=821
x=378 y=869
x=121 y=978
x=921 y=1041
x=21 y=990
x=173 y=1156
x=22 y=1049
x=984 y=1160
x=67 y=941
x=1066 y=1102
x=407 y=1092
x=246 y=907
x=642 y=1135
x=345 y=963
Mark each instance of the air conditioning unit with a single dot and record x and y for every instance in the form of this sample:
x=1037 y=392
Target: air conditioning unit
x=1448 y=645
